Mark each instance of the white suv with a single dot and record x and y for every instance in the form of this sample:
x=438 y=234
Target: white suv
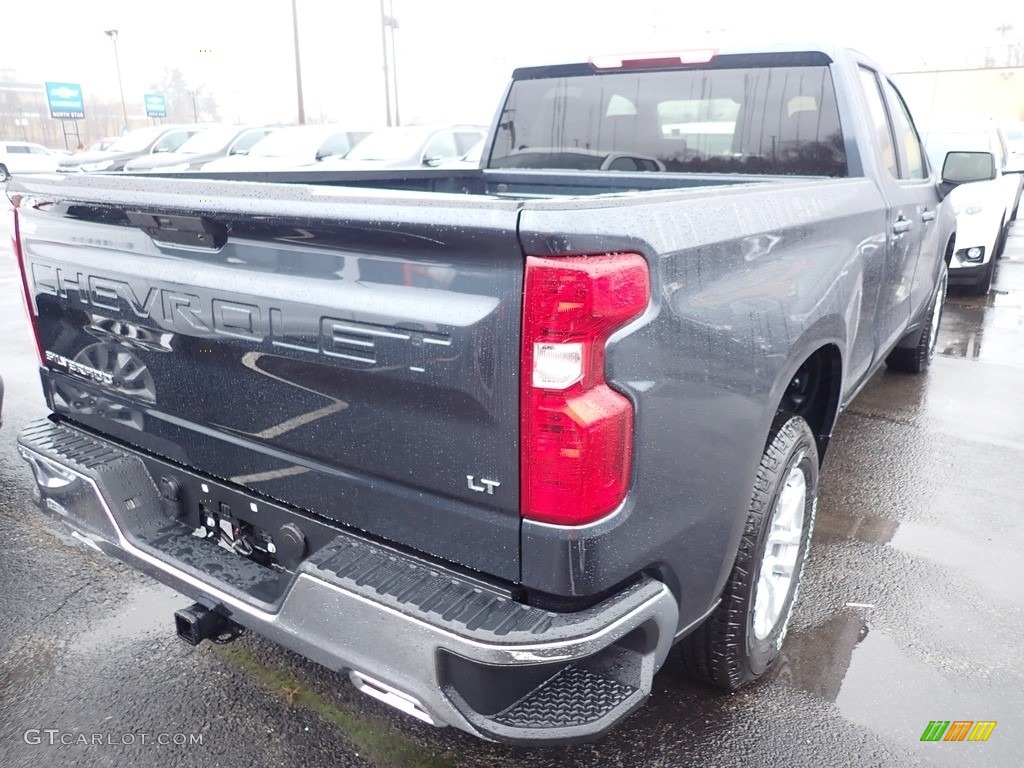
x=984 y=209
x=24 y=157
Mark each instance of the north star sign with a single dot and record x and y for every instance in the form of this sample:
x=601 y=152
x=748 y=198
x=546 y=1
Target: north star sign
x=65 y=100
x=156 y=105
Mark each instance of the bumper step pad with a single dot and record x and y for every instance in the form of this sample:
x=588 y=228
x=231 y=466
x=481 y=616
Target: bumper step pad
x=575 y=695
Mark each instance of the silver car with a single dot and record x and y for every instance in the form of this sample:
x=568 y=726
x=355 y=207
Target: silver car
x=415 y=146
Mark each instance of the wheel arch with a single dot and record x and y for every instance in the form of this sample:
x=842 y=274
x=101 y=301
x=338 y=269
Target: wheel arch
x=811 y=387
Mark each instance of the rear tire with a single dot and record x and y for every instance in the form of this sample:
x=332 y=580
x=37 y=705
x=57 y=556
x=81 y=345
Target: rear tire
x=4 y=174
x=916 y=359
x=742 y=637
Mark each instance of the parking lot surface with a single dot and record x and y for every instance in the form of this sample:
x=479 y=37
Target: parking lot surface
x=910 y=611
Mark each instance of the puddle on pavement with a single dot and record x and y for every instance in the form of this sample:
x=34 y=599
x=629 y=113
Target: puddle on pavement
x=145 y=613
x=876 y=684
x=988 y=328
x=816 y=659
x=868 y=528
x=991 y=566
x=896 y=695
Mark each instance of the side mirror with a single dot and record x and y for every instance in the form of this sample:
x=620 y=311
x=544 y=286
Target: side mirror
x=966 y=167
x=240 y=151
x=433 y=161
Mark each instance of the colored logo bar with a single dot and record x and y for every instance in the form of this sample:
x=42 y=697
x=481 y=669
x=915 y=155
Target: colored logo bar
x=958 y=730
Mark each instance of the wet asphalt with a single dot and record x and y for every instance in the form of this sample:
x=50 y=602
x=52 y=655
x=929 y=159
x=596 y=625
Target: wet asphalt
x=911 y=610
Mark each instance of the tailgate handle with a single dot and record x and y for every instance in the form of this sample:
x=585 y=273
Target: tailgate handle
x=176 y=229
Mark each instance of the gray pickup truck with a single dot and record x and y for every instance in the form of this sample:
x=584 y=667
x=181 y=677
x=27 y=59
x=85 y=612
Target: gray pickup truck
x=494 y=440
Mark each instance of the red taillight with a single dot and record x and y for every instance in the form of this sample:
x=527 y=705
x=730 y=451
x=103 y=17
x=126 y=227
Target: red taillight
x=661 y=60
x=576 y=432
x=26 y=292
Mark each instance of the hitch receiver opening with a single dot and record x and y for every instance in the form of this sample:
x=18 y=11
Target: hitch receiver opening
x=198 y=622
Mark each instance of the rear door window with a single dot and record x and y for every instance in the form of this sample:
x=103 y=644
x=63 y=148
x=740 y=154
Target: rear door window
x=879 y=121
x=911 y=155
x=755 y=120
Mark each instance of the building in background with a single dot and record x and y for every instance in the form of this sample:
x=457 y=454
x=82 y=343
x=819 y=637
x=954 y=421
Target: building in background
x=992 y=92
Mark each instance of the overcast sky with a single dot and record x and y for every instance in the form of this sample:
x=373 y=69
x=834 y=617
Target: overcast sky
x=454 y=56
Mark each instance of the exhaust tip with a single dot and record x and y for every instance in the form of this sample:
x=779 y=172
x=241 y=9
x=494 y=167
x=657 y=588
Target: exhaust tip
x=393 y=697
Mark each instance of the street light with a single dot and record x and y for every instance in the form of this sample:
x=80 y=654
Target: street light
x=112 y=34
x=298 y=64
x=388 y=21
x=195 y=108
x=393 y=23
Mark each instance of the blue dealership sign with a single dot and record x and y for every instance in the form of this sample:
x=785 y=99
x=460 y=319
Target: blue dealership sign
x=65 y=100
x=156 y=105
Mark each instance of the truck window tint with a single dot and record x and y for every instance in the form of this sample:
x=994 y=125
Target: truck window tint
x=879 y=121
x=777 y=120
x=909 y=143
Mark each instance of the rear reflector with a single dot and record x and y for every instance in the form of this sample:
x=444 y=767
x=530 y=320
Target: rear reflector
x=26 y=293
x=660 y=60
x=576 y=432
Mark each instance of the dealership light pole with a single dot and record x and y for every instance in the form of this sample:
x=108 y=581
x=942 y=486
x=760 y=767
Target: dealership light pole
x=112 y=34
x=393 y=23
x=388 y=21
x=298 y=64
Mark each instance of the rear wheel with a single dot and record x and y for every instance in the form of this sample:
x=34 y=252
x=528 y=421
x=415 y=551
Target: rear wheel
x=738 y=642
x=917 y=358
x=4 y=175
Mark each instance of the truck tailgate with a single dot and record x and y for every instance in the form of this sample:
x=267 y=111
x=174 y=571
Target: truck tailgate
x=352 y=353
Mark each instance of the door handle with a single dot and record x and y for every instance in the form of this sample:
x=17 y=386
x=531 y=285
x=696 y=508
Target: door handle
x=902 y=225
x=927 y=215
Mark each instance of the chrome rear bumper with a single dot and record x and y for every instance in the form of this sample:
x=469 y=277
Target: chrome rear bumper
x=427 y=640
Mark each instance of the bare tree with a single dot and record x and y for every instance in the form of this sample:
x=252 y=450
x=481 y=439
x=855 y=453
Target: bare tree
x=179 y=95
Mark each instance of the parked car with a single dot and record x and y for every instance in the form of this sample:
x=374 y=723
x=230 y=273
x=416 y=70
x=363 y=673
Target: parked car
x=101 y=144
x=298 y=146
x=206 y=146
x=493 y=441
x=17 y=157
x=984 y=209
x=415 y=146
x=1014 y=133
x=471 y=159
x=156 y=139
